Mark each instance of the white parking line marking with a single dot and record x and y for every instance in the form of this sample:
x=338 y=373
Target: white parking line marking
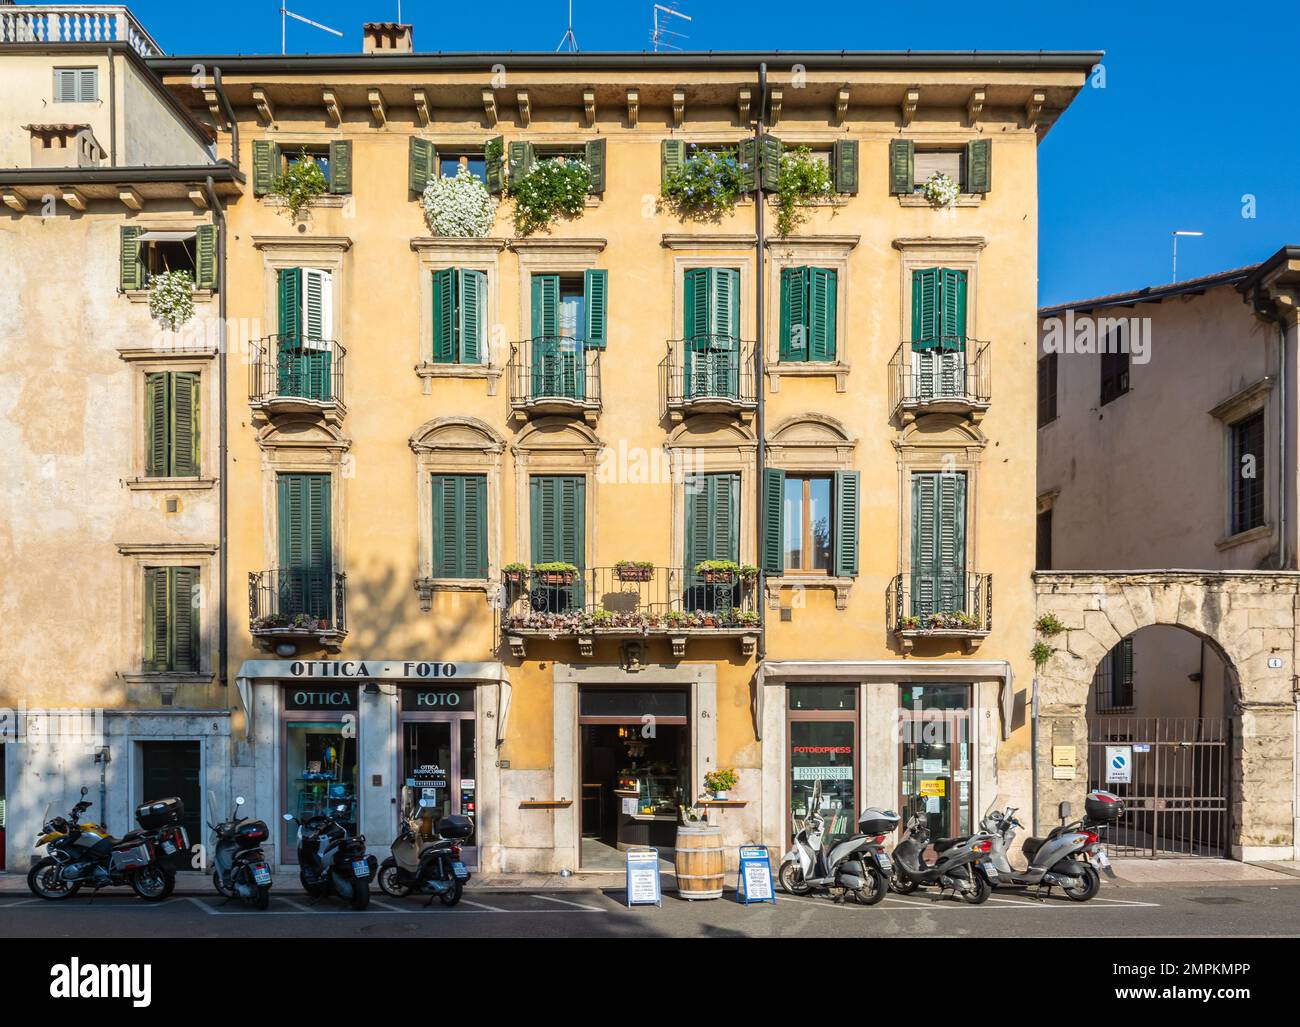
x=296 y=905
x=485 y=906
x=385 y=905
x=589 y=909
x=21 y=902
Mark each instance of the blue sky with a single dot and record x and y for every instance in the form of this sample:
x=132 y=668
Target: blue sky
x=1198 y=110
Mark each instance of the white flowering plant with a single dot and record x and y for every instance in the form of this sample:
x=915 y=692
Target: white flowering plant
x=459 y=206
x=171 y=298
x=940 y=190
x=551 y=189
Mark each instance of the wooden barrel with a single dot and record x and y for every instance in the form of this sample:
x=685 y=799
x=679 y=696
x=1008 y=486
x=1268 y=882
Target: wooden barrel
x=699 y=862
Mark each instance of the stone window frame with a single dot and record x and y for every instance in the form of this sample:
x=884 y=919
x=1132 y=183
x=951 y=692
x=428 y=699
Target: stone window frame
x=690 y=252
x=327 y=253
x=437 y=254
x=722 y=446
x=550 y=446
x=959 y=254
x=142 y=555
x=172 y=223
x=944 y=141
x=542 y=256
x=1255 y=398
x=956 y=448
x=830 y=450
x=144 y=362
x=470 y=446
x=829 y=251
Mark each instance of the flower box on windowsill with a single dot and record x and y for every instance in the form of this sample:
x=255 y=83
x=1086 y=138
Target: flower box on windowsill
x=556 y=577
x=633 y=573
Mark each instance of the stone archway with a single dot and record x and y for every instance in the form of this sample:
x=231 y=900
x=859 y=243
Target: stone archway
x=1250 y=617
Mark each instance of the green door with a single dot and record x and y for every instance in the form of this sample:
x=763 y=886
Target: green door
x=306 y=573
x=712 y=533
x=173 y=769
x=557 y=507
x=939 y=332
x=711 y=364
x=938 y=543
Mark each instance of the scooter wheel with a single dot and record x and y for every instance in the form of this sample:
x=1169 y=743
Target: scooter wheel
x=262 y=900
x=875 y=890
x=450 y=898
x=791 y=878
x=216 y=883
x=1081 y=889
x=314 y=890
x=980 y=889
x=903 y=885
x=390 y=881
x=360 y=894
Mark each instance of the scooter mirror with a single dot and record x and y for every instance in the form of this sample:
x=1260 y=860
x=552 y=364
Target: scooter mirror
x=239 y=800
x=83 y=791
x=288 y=817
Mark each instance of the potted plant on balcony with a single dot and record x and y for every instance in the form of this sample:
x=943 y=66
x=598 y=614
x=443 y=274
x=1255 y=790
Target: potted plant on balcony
x=909 y=623
x=706 y=186
x=550 y=190
x=301 y=182
x=940 y=190
x=718 y=572
x=719 y=782
x=555 y=572
x=634 y=570
x=676 y=618
x=515 y=572
x=602 y=618
x=802 y=179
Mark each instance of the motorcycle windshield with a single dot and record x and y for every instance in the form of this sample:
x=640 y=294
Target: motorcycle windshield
x=215 y=813
x=998 y=805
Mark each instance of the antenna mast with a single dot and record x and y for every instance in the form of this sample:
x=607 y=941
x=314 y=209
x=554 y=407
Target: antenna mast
x=663 y=38
x=285 y=14
x=569 y=41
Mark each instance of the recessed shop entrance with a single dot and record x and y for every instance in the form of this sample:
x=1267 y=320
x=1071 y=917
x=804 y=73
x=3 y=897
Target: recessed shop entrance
x=635 y=758
x=439 y=758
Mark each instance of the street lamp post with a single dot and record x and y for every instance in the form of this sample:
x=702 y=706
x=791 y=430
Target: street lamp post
x=1176 y=235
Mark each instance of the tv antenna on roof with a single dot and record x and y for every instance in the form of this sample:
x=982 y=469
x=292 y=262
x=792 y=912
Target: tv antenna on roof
x=662 y=37
x=285 y=14
x=569 y=41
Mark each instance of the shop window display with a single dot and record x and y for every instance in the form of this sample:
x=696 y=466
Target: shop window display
x=321 y=771
x=936 y=756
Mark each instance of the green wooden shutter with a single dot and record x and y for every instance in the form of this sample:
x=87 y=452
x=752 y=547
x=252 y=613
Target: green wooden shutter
x=925 y=308
x=821 y=313
x=156 y=608
x=726 y=516
x=979 y=166
x=698 y=491
x=771 y=162
x=131 y=267
x=794 y=313
x=421 y=164
x=925 y=564
x=952 y=542
x=459 y=526
x=847 y=515
x=205 y=245
x=595 y=287
x=712 y=518
x=472 y=316
x=952 y=306
x=290 y=302
x=844 y=165
x=672 y=155
x=340 y=166
x=749 y=161
x=183 y=426
x=596 y=161
x=902 y=168
x=306 y=558
x=726 y=303
x=773 y=521
x=546 y=306
x=444 y=316
x=558 y=511
x=697 y=291
x=522 y=158
x=266 y=166
x=474 y=511
x=493 y=152
x=184 y=626
x=155 y=431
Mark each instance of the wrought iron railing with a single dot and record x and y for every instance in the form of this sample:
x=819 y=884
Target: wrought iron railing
x=709 y=368
x=296 y=367
x=943 y=602
x=653 y=599
x=554 y=368
x=953 y=369
x=293 y=598
x=75 y=23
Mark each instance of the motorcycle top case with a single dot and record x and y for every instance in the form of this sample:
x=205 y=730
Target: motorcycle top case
x=455 y=826
x=877 y=821
x=251 y=833
x=160 y=813
x=1100 y=805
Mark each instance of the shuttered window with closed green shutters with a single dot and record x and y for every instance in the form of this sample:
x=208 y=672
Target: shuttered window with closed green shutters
x=172 y=424
x=460 y=526
x=938 y=543
x=808 y=314
x=171 y=619
x=460 y=301
x=711 y=365
x=712 y=518
x=306 y=571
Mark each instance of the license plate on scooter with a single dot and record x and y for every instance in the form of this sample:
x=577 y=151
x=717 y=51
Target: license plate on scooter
x=989 y=869
x=361 y=868
x=168 y=847
x=261 y=874
x=1103 y=860
x=458 y=868
x=882 y=861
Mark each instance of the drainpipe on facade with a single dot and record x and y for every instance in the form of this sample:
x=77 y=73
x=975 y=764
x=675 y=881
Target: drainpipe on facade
x=760 y=461
x=223 y=492
x=1033 y=763
x=230 y=116
x=112 y=109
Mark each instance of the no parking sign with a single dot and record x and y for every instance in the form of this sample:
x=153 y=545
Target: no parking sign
x=1119 y=764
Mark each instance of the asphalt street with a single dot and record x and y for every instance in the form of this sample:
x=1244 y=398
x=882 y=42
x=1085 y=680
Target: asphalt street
x=1224 y=910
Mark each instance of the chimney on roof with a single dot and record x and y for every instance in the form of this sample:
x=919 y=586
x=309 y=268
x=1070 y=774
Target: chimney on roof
x=387 y=37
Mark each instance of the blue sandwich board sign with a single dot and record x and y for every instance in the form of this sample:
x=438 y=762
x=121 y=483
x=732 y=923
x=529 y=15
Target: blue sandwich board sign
x=643 y=886
x=754 y=879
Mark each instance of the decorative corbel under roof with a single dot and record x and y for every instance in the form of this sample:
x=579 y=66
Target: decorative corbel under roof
x=633 y=107
x=74 y=199
x=679 y=107
x=910 y=99
x=774 y=106
x=263 y=104
x=589 y=106
x=842 y=105
x=332 y=108
x=13 y=200
x=130 y=198
x=525 y=107
x=975 y=106
x=1033 y=108
x=742 y=106
x=421 y=100
x=490 y=107
x=378 y=108
x=199 y=198
x=213 y=101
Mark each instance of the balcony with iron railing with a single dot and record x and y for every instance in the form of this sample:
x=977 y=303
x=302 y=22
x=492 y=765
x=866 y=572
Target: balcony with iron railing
x=297 y=374
x=553 y=374
x=637 y=602
x=954 y=607
x=949 y=376
x=94 y=24
x=288 y=607
x=709 y=374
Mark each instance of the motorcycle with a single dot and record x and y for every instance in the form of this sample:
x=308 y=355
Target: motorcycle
x=240 y=870
x=856 y=866
x=421 y=864
x=1064 y=858
x=84 y=853
x=963 y=864
x=331 y=860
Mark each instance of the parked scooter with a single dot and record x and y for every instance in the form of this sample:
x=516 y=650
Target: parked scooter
x=80 y=854
x=239 y=867
x=1063 y=858
x=963 y=864
x=857 y=866
x=426 y=866
x=332 y=861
